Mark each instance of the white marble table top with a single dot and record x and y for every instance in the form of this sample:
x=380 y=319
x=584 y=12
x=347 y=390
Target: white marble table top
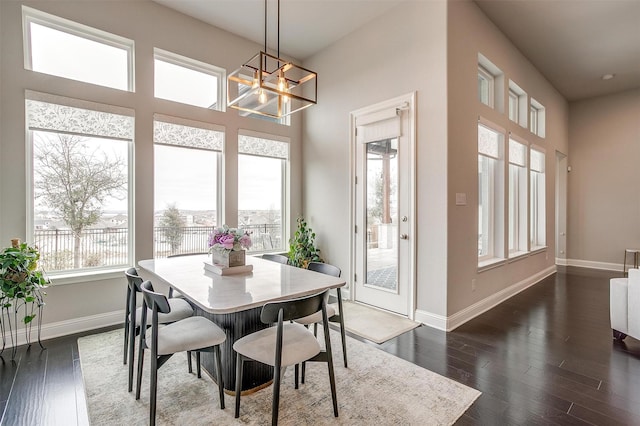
x=269 y=281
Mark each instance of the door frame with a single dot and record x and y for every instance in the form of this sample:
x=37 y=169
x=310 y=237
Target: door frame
x=562 y=175
x=408 y=100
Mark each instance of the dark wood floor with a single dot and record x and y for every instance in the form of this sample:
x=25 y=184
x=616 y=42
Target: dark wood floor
x=545 y=356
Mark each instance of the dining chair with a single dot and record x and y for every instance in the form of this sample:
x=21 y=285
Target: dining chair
x=192 y=334
x=280 y=258
x=180 y=309
x=334 y=316
x=285 y=344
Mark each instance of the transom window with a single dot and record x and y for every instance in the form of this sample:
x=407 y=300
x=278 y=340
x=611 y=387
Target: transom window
x=64 y=48
x=185 y=80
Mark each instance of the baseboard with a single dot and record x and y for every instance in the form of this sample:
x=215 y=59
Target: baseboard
x=75 y=325
x=561 y=262
x=454 y=321
x=431 y=319
x=594 y=265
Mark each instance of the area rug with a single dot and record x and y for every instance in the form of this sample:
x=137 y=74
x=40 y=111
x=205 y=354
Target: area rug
x=376 y=388
x=373 y=324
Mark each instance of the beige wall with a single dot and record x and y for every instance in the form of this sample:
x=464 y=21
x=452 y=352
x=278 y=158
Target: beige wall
x=149 y=25
x=604 y=197
x=401 y=52
x=470 y=33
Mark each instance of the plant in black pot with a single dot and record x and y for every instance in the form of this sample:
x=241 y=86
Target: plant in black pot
x=22 y=293
x=302 y=249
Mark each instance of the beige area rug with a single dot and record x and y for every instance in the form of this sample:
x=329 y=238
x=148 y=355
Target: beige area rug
x=376 y=388
x=373 y=324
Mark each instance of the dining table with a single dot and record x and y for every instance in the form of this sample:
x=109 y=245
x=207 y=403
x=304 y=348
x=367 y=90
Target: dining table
x=234 y=302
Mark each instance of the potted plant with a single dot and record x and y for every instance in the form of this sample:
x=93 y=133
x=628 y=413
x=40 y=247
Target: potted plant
x=21 y=290
x=301 y=246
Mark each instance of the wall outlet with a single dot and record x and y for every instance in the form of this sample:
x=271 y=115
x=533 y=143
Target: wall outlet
x=473 y=284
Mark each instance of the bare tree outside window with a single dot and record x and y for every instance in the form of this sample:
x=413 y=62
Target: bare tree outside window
x=74 y=177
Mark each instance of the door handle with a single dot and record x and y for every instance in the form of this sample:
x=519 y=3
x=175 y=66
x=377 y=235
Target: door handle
x=404 y=237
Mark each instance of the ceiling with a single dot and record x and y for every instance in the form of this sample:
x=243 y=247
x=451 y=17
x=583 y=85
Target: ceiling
x=572 y=42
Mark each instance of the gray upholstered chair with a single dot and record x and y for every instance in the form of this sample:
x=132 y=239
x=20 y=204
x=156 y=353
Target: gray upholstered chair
x=195 y=333
x=334 y=316
x=280 y=258
x=180 y=309
x=285 y=345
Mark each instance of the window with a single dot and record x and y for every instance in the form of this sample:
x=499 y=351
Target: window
x=517 y=197
x=517 y=104
x=187 y=184
x=490 y=192
x=537 y=118
x=537 y=204
x=185 y=80
x=490 y=84
x=263 y=190
x=80 y=200
x=485 y=86
x=67 y=49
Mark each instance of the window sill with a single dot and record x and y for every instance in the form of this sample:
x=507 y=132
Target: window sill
x=518 y=255
x=83 y=277
x=537 y=250
x=490 y=264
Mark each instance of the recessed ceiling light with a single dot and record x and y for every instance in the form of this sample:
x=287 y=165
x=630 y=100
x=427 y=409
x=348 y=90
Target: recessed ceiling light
x=608 y=76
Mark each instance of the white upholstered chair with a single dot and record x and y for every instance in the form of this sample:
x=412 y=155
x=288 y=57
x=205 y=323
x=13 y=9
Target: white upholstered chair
x=192 y=334
x=624 y=301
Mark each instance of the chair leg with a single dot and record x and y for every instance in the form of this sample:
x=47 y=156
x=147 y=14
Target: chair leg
x=153 y=390
x=131 y=348
x=140 y=365
x=342 y=332
x=218 y=362
x=277 y=374
x=304 y=369
x=189 y=361
x=198 y=369
x=126 y=325
x=296 y=373
x=239 y=368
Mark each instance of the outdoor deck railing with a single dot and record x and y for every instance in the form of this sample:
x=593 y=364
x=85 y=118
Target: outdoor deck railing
x=108 y=246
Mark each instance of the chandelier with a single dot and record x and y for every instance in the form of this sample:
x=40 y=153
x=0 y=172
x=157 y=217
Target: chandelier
x=270 y=86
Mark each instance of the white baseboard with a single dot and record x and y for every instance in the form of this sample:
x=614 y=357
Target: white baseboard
x=561 y=262
x=454 y=321
x=64 y=328
x=594 y=265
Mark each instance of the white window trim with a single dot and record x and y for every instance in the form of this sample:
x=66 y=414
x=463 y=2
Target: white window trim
x=195 y=65
x=30 y=15
x=484 y=73
x=94 y=274
x=286 y=183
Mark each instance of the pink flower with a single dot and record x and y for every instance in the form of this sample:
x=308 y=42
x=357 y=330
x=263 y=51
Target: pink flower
x=226 y=241
x=245 y=241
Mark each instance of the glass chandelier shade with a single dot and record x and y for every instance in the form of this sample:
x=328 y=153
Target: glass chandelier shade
x=271 y=86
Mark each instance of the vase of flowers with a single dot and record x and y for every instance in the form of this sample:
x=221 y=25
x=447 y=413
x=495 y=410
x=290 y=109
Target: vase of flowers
x=227 y=246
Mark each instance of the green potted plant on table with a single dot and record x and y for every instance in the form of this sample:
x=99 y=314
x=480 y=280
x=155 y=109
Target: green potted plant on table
x=302 y=249
x=21 y=292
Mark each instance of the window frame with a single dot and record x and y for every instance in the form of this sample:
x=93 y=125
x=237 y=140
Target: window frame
x=194 y=65
x=30 y=15
x=490 y=79
x=537 y=202
x=496 y=199
x=91 y=273
x=285 y=185
x=518 y=197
